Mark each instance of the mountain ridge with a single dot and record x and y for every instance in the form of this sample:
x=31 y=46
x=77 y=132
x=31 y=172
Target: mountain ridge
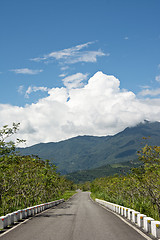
x=88 y=152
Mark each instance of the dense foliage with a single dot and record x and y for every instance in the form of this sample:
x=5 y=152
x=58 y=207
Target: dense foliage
x=139 y=190
x=26 y=180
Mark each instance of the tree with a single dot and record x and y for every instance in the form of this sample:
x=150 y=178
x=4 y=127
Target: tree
x=26 y=180
x=150 y=156
x=139 y=190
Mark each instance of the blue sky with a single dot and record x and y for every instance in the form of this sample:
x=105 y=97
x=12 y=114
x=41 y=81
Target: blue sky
x=48 y=46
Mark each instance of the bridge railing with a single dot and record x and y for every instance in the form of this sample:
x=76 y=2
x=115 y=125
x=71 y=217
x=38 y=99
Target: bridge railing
x=14 y=217
x=148 y=224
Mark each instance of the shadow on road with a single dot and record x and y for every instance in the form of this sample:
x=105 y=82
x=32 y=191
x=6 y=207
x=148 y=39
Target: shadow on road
x=53 y=215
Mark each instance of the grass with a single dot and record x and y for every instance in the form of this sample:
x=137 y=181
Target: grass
x=68 y=194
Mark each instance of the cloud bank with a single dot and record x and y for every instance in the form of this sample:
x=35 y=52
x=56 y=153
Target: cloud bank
x=98 y=108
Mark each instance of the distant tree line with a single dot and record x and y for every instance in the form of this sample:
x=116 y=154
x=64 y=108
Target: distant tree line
x=26 y=180
x=139 y=190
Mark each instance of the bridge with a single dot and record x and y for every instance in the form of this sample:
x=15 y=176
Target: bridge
x=79 y=218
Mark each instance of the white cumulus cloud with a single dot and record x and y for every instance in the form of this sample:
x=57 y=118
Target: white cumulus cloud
x=98 y=108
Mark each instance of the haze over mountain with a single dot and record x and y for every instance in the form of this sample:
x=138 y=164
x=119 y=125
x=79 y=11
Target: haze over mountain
x=88 y=152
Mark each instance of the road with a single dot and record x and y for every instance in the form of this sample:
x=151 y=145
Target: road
x=77 y=219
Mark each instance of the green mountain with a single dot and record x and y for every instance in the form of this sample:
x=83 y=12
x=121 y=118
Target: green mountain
x=88 y=152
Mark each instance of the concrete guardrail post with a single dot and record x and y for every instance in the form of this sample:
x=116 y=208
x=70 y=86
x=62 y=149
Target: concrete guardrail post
x=122 y=211
x=114 y=207
x=23 y=213
x=32 y=211
x=140 y=220
x=10 y=218
x=134 y=216
x=126 y=212
x=147 y=224
x=117 y=209
x=20 y=214
x=39 y=208
x=42 y=207
x=29 y=213
x=45 y=206
x=3 y=222
x=130 y=211
x=155 y=228
x=26 y=212
x=35 y=210
x=16 y=216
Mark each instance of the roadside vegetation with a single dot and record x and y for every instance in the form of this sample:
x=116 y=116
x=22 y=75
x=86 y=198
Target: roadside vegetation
x=139 y=190
x=27 y=180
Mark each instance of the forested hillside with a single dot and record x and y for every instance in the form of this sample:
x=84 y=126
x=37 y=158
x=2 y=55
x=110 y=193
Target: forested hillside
x=88 y=152
x=121 y=168
x=139 y=190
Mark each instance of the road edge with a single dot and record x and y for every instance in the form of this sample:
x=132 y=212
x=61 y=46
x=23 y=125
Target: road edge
x=124 y=220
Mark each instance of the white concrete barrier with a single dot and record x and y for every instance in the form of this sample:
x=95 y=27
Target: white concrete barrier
x=147 y=223
x=155 y=228
x=14 y=217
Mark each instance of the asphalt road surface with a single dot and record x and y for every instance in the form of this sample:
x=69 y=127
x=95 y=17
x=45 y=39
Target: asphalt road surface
x=77 y=219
